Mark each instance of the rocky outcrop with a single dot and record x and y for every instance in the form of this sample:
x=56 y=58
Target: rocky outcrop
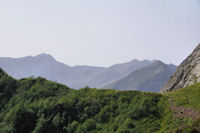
x=188 y=73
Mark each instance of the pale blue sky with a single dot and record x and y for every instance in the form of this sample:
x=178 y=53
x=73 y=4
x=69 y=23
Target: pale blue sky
x=100 y=32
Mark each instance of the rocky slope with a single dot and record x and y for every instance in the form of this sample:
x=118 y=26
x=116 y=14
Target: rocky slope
x=186 y=74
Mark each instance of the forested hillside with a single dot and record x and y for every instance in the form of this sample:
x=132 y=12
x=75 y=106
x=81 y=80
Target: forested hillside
x=40 y=106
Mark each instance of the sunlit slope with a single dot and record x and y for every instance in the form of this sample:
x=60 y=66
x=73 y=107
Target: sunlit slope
x=188 y=97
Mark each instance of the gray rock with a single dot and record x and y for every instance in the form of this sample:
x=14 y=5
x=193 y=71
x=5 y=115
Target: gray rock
x=188 y=73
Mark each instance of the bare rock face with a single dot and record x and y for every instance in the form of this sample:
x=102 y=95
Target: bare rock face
x=188 y=73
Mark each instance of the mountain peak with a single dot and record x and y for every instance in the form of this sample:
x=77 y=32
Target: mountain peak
x=188 y=73
x=44 y=56
x=134 y=60
x=158 y=62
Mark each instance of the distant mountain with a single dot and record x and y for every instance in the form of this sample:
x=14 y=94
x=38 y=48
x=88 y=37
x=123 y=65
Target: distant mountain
x=43 y=65
x=150 y=78
x=188 y=73
x=116 y=72
x=46 y=66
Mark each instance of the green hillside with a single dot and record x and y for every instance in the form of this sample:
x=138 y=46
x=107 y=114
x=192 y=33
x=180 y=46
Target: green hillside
x=186 y=107
x=40 y=106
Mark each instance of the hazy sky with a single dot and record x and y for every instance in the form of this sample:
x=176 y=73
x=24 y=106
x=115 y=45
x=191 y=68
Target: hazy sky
x=100 y=32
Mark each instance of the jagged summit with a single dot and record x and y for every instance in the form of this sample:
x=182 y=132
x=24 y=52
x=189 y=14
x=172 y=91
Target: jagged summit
x=187 y=73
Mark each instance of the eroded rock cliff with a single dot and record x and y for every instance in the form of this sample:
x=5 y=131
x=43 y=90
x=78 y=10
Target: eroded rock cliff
x=186 y=74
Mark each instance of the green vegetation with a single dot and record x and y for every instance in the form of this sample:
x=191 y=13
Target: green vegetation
x=188 y=97
x=40 y=106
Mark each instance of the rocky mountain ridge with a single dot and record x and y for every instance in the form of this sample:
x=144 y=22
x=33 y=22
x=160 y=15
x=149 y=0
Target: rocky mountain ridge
x=188 y=73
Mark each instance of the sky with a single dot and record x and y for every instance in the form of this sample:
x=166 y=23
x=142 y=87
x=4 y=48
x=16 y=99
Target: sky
x=100 y=32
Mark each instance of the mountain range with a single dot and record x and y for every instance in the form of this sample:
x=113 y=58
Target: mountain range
x=149 y=79
x=36 y=105
x=44 y=65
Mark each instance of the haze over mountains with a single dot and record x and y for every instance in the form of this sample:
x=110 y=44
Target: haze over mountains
x=150 y=78
x=45 y=65
x=36 y=105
